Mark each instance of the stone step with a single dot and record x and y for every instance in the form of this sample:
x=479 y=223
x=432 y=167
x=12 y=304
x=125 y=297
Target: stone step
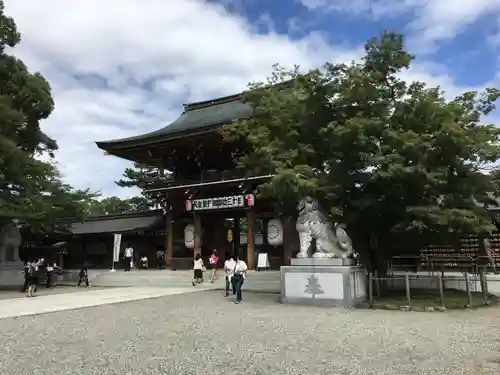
x=257 y=281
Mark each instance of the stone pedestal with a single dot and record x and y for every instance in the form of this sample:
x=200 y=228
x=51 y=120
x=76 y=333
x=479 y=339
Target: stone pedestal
x=323 y=282
x=11 y=274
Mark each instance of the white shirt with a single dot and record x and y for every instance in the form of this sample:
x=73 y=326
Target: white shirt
x=229 y=267
x=241 y=268
x=128 y=252
x=36 y=265
x=198 y=264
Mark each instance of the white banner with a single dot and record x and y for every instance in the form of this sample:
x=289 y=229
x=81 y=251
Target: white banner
x=116 y=247
x=217 y=203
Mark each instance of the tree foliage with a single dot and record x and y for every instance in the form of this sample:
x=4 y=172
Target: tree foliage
x=386 y=156
x=115 y=205
x=31 y=190
x=142 y=177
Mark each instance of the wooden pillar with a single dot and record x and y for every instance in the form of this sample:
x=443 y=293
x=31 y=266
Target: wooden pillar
x=61 y=258
x=287 y=239
x=197 y=234
x=250 y=240
x=235 y=246
x=169 y=238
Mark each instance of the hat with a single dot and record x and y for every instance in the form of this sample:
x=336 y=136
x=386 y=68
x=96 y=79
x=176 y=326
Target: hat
x=214 y=250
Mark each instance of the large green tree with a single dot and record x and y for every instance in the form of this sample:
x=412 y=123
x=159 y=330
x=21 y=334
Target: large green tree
x=116 y=205
x=389 y=158
x=144 y=177
x=30 y=189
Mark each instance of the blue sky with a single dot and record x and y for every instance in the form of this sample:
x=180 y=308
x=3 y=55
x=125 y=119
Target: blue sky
x=124 y=70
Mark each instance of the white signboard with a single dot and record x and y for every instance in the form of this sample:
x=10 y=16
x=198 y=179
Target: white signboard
x=263 y=261
x=116 y=247
x=234 y=201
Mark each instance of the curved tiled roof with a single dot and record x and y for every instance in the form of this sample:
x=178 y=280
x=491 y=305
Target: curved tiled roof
x=196 y=116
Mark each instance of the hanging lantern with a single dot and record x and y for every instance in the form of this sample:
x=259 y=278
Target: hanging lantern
x=250 y=200
x=275 y=232
x=189 y=236
x=188 y=205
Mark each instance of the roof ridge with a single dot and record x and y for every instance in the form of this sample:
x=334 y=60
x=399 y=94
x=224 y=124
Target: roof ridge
x=230 y=98
x=212 y=102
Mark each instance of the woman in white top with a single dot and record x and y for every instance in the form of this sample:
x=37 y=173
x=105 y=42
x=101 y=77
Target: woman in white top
x=238 y=277
x=198 y=269
x=229 y=269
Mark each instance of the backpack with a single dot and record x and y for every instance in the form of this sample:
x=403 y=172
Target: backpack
x=31 y=269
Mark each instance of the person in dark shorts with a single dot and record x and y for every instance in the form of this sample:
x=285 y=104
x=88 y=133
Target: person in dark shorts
x=198 y=269
x=49 y=269
x=160 y=259
x=33 y=270
x=83 y=276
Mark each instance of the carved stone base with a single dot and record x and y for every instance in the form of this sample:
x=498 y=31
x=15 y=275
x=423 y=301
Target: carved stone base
x=323 y=262
x=329 y=285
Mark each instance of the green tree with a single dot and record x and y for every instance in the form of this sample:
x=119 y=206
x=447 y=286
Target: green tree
x=110 y=206
x=143 y=177
x=30 y=189
x=389 y=158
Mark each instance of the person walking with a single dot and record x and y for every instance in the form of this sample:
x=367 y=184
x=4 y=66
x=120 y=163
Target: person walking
x=49 y=269
x=238 y=277
x=198 y=269
x=214 y=263
x=144 y=262
x=129 y=253
x=33 y=270
x=229 y=265
x=160 y=259
x=83 y=276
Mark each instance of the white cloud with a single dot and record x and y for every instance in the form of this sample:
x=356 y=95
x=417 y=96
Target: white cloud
x=433 y=20
x=124 y=68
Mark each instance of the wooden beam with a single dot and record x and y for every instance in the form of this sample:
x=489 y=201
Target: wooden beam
x=169 y=235
x=197 y=234
x=287 y=239
x=250 y=240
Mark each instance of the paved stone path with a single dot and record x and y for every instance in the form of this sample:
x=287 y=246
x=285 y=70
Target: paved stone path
x=204 y=333
x=9 y=293
x=80 y=298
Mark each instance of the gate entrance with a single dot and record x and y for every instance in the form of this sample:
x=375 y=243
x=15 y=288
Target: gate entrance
x=221 y=232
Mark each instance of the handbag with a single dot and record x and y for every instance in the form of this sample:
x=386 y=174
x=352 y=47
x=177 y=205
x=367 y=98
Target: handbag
x=203 y=269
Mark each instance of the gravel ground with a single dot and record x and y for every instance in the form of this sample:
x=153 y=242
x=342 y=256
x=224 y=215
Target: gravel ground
x=203 y=333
